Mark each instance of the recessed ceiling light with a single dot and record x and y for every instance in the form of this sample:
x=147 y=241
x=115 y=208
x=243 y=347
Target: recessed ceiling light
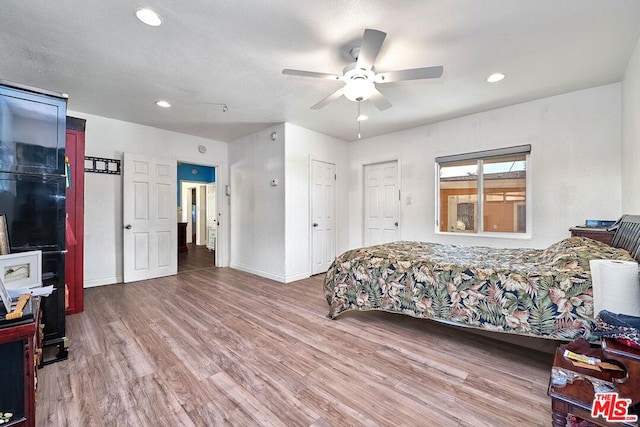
x=495 y=77
x=163 y=104
x=149 y=17
x=362 y=118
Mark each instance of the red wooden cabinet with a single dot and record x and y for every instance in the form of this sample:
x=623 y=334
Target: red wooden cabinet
x=74 y=272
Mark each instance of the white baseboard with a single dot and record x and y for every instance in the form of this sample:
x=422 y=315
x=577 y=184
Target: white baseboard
x=102 y=282
x=277 y=277
x=265 y=274
x=296 y=276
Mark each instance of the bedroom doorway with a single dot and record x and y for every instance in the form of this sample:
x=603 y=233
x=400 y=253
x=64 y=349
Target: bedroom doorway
x=197 y=213
x=193 y=211
x=381 y=203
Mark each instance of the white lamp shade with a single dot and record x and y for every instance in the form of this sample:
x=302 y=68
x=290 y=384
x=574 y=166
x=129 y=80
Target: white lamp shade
x=358 y=89
x=149 y=17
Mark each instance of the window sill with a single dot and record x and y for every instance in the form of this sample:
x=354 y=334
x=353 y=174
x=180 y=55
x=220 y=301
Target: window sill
x=510 y=236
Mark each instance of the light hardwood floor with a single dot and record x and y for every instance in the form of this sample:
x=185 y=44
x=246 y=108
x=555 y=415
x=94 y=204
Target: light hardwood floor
x=195 y=258
x=214 y=347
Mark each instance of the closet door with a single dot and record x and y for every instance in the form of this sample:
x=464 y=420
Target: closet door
x=381 y=203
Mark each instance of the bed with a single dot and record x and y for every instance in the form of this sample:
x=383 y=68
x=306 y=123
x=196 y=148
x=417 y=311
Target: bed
x=533 y=292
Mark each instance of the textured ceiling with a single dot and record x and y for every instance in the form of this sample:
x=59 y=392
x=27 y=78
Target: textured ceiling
x=233 y=52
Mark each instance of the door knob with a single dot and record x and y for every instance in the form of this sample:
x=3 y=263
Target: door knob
x=315 y=224
x=396 y=223
x=128 y=226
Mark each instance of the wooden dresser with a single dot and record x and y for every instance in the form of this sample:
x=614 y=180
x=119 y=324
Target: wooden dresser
x=599 y=234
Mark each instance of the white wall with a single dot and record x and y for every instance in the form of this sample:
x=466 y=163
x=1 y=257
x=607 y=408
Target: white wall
x=577 y=147
x=271 y=225
x=575 y=164
x=631 y=135
x=103 y=193
x=257 y=207
x=301 y=146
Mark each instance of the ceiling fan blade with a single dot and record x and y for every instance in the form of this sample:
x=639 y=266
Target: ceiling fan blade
x=335 y=95
x=371 y=44
x=311 y=74
x=412 y=74
x=379 y=100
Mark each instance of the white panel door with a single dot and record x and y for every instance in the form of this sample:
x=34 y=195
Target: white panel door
x=323 y=215
x=201 y=215
x=149 y=217
x=381 y=203
x=189 y=208
x=211 y=216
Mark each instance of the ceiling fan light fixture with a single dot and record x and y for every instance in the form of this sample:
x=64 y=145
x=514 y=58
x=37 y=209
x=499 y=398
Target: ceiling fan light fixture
x=148 y=17
x=360 y=77
x=358 y=89
x=495 y=77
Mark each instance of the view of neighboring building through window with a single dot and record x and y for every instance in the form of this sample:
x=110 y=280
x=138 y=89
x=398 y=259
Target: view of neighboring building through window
x=497 y=178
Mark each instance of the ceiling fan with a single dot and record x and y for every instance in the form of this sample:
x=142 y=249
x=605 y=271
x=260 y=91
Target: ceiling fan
x=360 y=78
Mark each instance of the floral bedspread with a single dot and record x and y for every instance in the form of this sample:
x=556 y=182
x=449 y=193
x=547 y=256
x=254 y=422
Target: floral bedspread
x=537 y=292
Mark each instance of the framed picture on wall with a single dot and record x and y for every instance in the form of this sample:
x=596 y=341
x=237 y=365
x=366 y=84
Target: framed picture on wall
x=4 y=236
x=21 y=270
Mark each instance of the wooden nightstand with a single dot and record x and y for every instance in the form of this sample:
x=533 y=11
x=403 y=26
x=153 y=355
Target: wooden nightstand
x=599 y=234
x=576 y=397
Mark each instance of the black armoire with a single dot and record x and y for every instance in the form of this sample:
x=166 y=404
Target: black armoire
x=33 y=191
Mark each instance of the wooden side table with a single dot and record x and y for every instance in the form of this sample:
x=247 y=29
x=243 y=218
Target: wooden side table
x=17 y=359
x=599 y=234
x=576 y=397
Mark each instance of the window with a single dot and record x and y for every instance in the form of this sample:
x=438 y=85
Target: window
x=483 y=192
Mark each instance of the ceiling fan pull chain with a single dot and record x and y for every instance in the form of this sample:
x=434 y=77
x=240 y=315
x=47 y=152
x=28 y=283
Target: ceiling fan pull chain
x=358 y=120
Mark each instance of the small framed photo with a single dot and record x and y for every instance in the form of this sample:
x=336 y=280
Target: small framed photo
x=4 y=235
x=4 y=295
x=21 y=270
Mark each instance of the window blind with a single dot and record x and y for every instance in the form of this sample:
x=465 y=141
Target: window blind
x=520 y=149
